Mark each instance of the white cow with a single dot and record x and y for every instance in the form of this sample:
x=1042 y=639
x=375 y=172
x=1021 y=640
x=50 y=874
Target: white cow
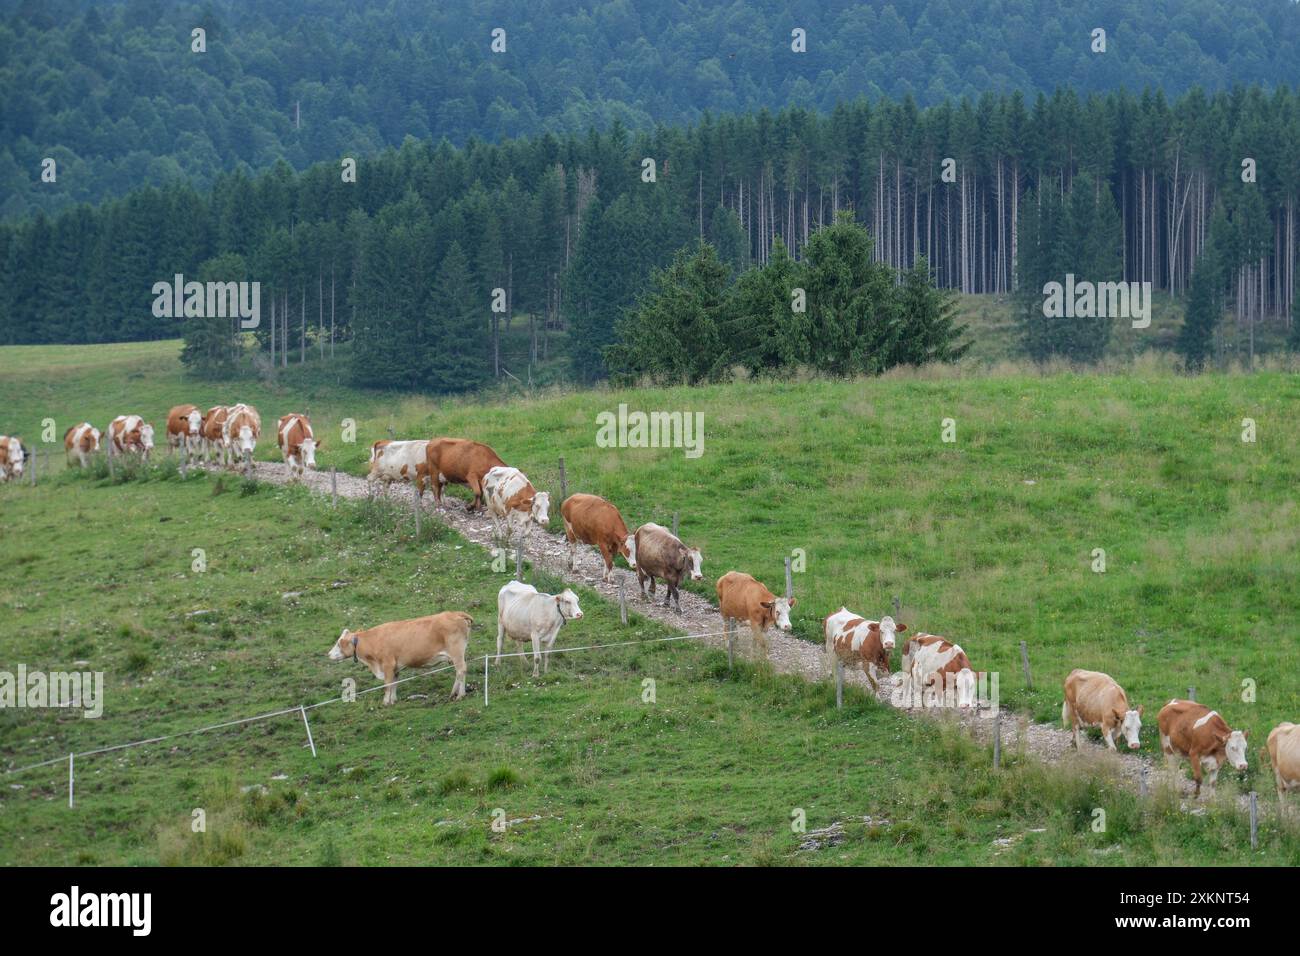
x=513 y=503
x=130 y=433
x=399 y=461
x=937 y=673
x=12 y=458
x=81 y=441
x=526 y=614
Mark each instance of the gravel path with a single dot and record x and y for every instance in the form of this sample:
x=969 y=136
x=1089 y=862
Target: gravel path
x=789 y=655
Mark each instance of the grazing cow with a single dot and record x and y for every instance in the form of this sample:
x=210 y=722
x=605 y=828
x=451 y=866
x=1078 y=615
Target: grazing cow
x=459 y=461
x=130 y=433
x=590 y=519
x=526 y=614
x=12 y=458
x=937 y=672
x=660 y=554
x=1284 y=755
x=1194 y=731
x=240 y=432
x=513 y=502
x=185 y=430
x=80 y=441
x=400 y=461
x=297 y=443
x=1094 y=699
x=857 y=642
x=213 y=432
x=388 y=648
x=742 y=597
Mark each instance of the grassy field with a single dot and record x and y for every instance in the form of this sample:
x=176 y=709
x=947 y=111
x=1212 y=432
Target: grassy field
x=586 y=769
x=988 y=540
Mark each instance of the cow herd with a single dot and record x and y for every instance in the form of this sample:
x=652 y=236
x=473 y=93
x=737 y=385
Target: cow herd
x=935 y=671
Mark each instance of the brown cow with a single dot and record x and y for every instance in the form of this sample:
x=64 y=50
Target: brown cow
x=743 y=598
x=130 y=433
x=1194 y=731
x=661 y=554
x=1284 y=754
x=459 y=461
x=240 y=432
x=590 y=519
x=857 y=642
x=185 y=430
x=297 y=443
x=387 y=648
x=213 y=431
x=937 y=672
x=81 y=441
x=1094 y=699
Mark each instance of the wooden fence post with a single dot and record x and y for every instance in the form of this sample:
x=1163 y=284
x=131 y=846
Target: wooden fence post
x=564 y=482
x=248 y=463
x=897 y=605
x=622 y=597
x=1191 y=694
x=1024 y=660
x=839 y=684
x=415 y=506
x=997 y=740
x=334 y=487
x=789 y=581
x=519 y=562
x=676 y=516
x=1254 y=820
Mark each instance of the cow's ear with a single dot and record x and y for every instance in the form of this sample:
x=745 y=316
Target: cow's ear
x=768 y=604
x=1140 y=710
x=793 y=601
x=901 y=628
x=873 y=626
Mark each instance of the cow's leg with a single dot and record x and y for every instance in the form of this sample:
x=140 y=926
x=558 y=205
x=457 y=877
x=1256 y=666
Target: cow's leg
x=1195 y=757
x=500 y=638
x=537 y=651
x=573 y=547
x=1108 y=734
x=458 y=688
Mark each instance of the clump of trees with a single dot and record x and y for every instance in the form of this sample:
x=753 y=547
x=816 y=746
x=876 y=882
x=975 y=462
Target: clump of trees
x=839 y=310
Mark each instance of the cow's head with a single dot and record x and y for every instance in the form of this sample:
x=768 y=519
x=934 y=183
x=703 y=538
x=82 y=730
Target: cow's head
x=628 y=550
x=887 y=631
x=146 y=436
x=541 y=509
x=343 y=647
x=1131 y=726
x=307 y=452
x=780 y=608
x=1235 y=749
x=195 y=421
x=567 y=603
x=244 y=441
x=695 y=559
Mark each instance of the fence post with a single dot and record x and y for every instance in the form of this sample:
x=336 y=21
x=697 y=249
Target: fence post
x=415 y=505
x=1143 y=786
x=185 y=463
x=111 y=471
x=564 y=482
x=36 y=454
x=248 y=463
x=1191 y=694
x=485 y=679
x=730 y=628
x=70 y=758
x=1024 y=660
x=897 y=604
x=1254 y=820
x=519 y=561
x=311 y=743
x=622 y=598
x=997 y=740
x=676 y=516
x=839 y=684
x=789 y=581
x=334 y=487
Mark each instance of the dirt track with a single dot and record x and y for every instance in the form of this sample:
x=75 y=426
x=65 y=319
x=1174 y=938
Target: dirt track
x=791 y=655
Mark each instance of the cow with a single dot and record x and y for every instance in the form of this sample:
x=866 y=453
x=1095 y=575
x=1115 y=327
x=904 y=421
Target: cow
x=660 y=554
x=387 y=648
x=130 y=433
x=12 y=458
x=526 y=614
x=514 y=503
x=1284 y=755
x=400 y=461
x=185 y=430
x=80 y=441
x=742 y=597
x=459 y=461
x=857 y=642
x=937 y=671
x=1094 y=699
x=239 y=433
x=1194 y=731
x=297 y=443
x=213 y=435
x=590 y=519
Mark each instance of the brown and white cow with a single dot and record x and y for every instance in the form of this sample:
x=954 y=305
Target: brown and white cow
x=1284 y=755
x=514 y=504
x=857 y=642
x=185 y=430
x=239 y=433
x=130 y=433
x=459 y=461
x=1194 y=731
x=742 y=597
x=80 y=441
x=297 y=443
x=590 y=519
x=12 y=458
x=937 y=673
x=1094 y=699
x=661 y=554
x=388 y=648
x=213 y=436
x=400 y=461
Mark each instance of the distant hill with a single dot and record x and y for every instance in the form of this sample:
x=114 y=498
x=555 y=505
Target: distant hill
x=112 y=91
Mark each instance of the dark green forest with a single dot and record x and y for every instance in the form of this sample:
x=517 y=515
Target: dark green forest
x=113 y=93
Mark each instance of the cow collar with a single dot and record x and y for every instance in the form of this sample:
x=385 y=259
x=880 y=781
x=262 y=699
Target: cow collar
x=563 y=620
x=354 y=647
